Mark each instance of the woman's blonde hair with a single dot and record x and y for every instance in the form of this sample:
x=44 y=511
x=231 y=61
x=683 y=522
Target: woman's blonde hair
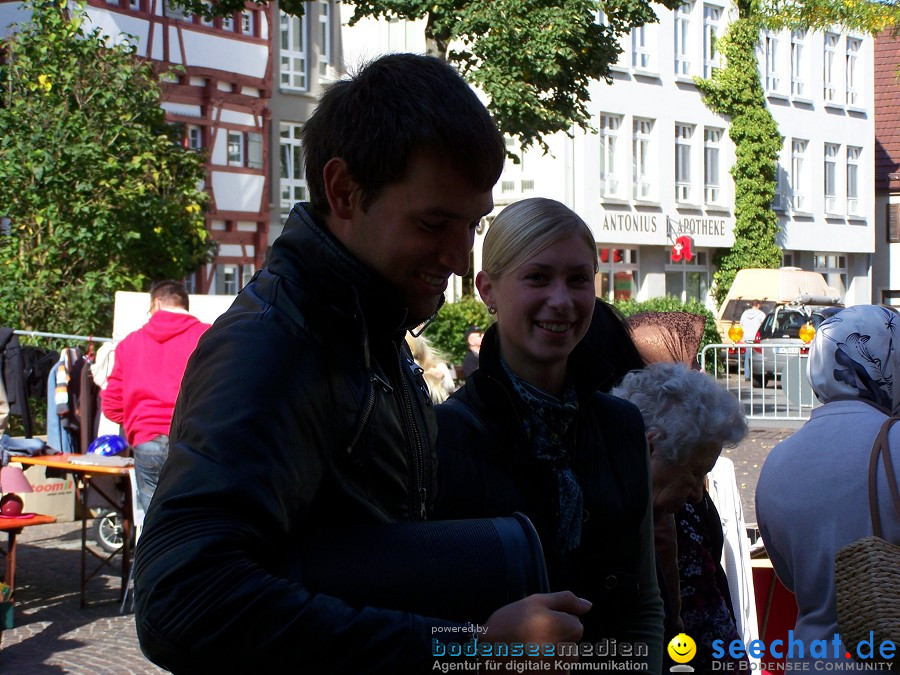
x=525 y=228
x=435 y=366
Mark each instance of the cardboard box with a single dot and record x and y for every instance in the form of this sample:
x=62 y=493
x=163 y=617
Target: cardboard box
x=51 y=496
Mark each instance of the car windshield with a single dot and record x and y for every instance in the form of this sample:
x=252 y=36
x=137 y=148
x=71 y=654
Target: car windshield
x=786 y=323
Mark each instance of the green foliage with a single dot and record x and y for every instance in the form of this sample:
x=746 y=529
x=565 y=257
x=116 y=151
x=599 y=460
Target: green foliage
x=535 y=59
x=670 y=303
x=446 y=332
x=736 y=91
x=100 y=193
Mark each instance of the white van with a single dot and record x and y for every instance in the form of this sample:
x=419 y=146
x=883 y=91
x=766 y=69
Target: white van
x=771 y=287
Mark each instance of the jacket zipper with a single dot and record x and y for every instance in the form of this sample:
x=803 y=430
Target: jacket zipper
x=367 y=411
x=418 y=455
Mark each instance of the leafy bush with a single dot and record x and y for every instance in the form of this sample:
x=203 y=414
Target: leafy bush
x=446 y=332
x=670 y=303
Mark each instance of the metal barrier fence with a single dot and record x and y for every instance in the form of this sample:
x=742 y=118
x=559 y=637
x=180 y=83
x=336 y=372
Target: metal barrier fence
x=775 y=387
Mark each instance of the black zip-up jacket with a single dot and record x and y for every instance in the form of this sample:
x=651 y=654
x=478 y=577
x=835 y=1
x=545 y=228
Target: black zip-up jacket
x=298 y=413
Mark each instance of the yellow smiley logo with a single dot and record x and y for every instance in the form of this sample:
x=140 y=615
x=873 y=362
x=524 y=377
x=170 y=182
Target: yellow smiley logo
x=682 y=648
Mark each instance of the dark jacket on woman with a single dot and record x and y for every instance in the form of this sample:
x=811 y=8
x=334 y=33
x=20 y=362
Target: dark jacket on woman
x=487 y=469
x=299 y=414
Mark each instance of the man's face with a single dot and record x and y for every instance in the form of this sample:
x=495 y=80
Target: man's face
x=474 y=341
x=419 y=231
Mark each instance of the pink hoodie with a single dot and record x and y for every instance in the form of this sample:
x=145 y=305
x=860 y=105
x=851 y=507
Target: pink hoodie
x=149 y=364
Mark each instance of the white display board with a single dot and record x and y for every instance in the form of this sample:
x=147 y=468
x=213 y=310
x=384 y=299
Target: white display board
x=132 y=310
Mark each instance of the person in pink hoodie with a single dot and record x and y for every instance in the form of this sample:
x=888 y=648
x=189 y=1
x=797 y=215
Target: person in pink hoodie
x=141 y=391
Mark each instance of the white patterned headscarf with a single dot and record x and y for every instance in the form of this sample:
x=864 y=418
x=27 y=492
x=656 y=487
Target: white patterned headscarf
x=854 y=355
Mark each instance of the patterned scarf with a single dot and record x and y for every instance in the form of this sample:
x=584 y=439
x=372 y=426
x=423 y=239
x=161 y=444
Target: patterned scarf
x=853 y=356
x=545 y=427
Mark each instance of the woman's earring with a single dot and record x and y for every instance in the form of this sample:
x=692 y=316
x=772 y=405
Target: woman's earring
x=492 y=309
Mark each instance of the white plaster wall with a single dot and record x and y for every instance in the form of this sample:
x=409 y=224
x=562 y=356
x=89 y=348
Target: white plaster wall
x=237 y=191
x=11 y=13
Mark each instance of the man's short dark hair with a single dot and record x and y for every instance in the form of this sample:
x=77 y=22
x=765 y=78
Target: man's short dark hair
x=472 y=329
x=170 y=292
x=396 y=107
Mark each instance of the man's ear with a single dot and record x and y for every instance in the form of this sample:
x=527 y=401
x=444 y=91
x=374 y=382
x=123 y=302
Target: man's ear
x=340 y=188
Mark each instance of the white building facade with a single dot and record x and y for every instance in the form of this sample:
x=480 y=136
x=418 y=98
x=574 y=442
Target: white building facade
x=658 y=167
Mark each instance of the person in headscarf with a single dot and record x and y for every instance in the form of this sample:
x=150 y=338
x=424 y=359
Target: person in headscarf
x=529 y=431
x=812 y=493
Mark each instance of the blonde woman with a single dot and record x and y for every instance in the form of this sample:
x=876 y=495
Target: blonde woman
x=434 y=366
x=530 y=432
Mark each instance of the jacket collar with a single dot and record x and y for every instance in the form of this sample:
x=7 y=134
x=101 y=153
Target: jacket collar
x=308 y=254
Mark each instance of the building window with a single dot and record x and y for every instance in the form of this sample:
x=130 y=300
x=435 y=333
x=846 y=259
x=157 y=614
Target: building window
x=173 y=11
x=194 y=137
x=853 y=71
x=205 y=21
x=829 y=74
x=682 y=40
x=640 y=54
x=228 y=22
x=893 y=223
x=248 y=22
x=641 y=158
x=853 y=181
x=293 y=52
x=134 y=5
x=324 y=37
x=711 y=16
x=773 y=78
x=798 y=63
x=831 y=155
x=235 y=148
x=507 y=186
x=688 y=280
x=254 y=151
x=527 y=185
x=609 y=149
x=834 y=268
x=712 y=139
x=798 y=175
x=778 y=199
x=683 y=135
x=292 y=182
x=617 y=278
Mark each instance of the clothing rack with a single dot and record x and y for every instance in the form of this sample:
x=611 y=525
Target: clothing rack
x=83 y=338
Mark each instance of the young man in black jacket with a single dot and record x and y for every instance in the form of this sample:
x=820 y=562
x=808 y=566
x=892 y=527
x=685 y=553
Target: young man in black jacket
x=299 y=412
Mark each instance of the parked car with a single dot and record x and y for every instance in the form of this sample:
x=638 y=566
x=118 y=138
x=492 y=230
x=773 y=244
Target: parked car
x=781 y=328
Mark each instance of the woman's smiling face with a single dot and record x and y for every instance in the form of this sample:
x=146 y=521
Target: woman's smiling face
x=544 y=308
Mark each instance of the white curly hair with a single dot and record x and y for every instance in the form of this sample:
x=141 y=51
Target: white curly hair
x=686 y=408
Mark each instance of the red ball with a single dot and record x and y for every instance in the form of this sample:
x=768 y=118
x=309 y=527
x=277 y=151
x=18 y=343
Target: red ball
x=11 y=505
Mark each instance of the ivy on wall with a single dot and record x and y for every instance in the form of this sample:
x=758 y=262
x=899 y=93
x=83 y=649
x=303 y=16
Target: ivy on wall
x=736 y=91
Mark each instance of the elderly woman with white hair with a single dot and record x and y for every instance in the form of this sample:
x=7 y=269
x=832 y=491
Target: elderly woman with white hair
x=689 y=419
x=812 y=493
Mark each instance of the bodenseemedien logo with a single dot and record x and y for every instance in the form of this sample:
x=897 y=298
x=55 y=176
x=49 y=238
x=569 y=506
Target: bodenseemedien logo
x=682 y=649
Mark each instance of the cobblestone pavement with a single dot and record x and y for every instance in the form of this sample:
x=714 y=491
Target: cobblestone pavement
x=54 y=635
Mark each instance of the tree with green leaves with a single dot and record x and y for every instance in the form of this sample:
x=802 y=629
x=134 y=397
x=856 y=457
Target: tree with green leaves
x=96 y=192
x=736 y=91
x=535 y=59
